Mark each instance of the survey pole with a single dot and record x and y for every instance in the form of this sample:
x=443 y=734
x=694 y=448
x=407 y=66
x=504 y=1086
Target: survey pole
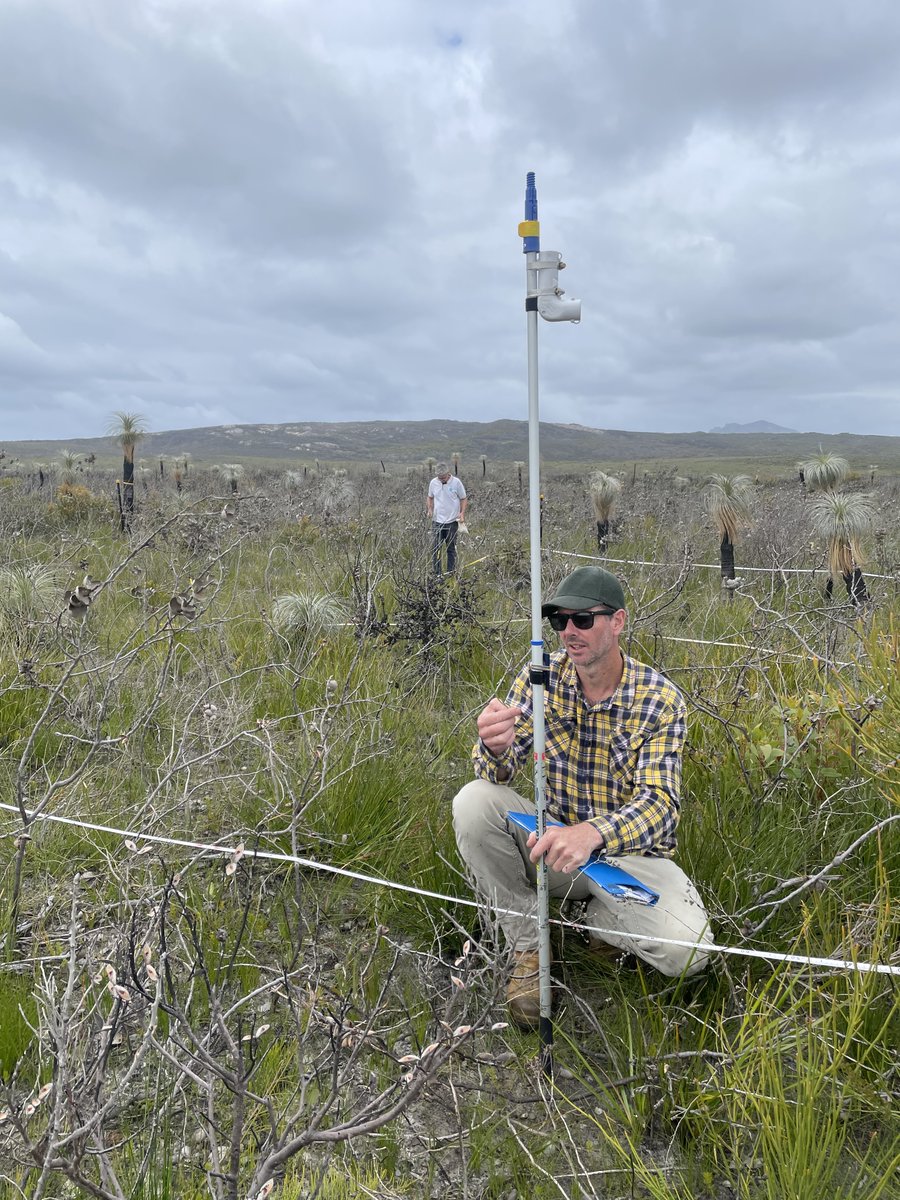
x=542 y=297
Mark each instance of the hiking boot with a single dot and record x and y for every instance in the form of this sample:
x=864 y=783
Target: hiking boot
x=602 y=952
x=523 y=994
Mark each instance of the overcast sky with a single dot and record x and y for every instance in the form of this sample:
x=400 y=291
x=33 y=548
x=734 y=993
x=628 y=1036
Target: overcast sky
x=226 y=211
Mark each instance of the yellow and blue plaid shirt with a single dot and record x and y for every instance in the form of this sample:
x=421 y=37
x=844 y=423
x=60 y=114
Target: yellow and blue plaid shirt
x=616 y=764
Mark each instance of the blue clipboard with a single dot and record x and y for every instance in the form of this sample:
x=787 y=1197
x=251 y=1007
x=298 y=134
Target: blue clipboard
x=611 y=878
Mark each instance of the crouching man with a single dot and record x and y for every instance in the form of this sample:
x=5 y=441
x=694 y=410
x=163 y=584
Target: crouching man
x=614 y=734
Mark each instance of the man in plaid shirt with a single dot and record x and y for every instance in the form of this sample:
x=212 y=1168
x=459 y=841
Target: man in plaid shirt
x=614 y=733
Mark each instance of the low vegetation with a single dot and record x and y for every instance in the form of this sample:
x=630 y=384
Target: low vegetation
x=227 y=729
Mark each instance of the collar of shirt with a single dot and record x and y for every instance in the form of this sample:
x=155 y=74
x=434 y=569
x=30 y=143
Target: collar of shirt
x=622 y=697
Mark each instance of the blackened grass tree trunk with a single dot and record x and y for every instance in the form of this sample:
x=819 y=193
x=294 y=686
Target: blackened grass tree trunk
x=843 y=520
x=128 y=429
x=604 y=493
x=728 y=501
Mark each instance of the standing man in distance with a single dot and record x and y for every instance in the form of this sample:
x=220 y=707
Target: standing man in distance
x=446 y=504
x=614 y=735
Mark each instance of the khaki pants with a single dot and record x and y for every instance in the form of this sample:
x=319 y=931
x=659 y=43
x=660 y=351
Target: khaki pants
x=496 y=856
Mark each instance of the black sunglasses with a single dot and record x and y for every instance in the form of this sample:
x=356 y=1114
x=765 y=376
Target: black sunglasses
x=581 y=620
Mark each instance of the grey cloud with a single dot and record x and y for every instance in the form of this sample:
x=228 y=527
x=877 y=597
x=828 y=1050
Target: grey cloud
x=236 y=128
x=279 y=212
x=627 y=82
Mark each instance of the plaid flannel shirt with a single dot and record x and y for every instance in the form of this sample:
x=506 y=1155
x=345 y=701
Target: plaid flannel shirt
x=616 y=764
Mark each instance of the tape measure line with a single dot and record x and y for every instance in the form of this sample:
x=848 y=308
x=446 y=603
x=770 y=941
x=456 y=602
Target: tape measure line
x=773 y=956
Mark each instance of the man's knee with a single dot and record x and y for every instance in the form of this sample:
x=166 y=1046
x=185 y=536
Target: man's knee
x=479 y=819
x=678 y=961
x=671 y=961
x=475 y=805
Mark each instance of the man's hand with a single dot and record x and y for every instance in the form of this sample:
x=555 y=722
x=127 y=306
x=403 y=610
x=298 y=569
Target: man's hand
x=497 y=726
x=567 y=847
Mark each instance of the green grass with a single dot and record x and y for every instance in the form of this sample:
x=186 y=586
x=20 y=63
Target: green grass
x=350 y=743
x=19 y=1010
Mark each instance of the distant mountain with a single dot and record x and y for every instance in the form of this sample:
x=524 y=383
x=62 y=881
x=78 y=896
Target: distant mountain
x=752 y=427
x=411 y=442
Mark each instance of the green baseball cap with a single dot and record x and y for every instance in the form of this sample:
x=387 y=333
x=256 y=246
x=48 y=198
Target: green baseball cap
x=585 y=588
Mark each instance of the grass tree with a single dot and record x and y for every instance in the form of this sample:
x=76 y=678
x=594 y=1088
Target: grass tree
x=604 y=493
x=28 y=594
x=728 y=500
x=843 y=520
x=823 y=472
x=68 y=462
x=231 y=473
x=293 y=482
x=128 y=428
x=305 y=618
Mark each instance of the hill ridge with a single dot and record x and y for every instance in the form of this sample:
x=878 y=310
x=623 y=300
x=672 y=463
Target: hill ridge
x=504 y=440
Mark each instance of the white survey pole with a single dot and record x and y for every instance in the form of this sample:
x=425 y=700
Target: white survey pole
x=542 y=296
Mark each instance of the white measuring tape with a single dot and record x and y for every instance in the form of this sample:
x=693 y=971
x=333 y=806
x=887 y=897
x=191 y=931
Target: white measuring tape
x=640 y=562
x=834 y=964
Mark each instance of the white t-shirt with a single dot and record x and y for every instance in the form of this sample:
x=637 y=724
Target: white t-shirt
x=446 y=499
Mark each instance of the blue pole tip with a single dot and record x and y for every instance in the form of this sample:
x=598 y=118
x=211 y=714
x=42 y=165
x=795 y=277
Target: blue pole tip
x=531 y=204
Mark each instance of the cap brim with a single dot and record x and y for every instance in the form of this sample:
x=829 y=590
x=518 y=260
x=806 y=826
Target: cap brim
x=576 y=602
